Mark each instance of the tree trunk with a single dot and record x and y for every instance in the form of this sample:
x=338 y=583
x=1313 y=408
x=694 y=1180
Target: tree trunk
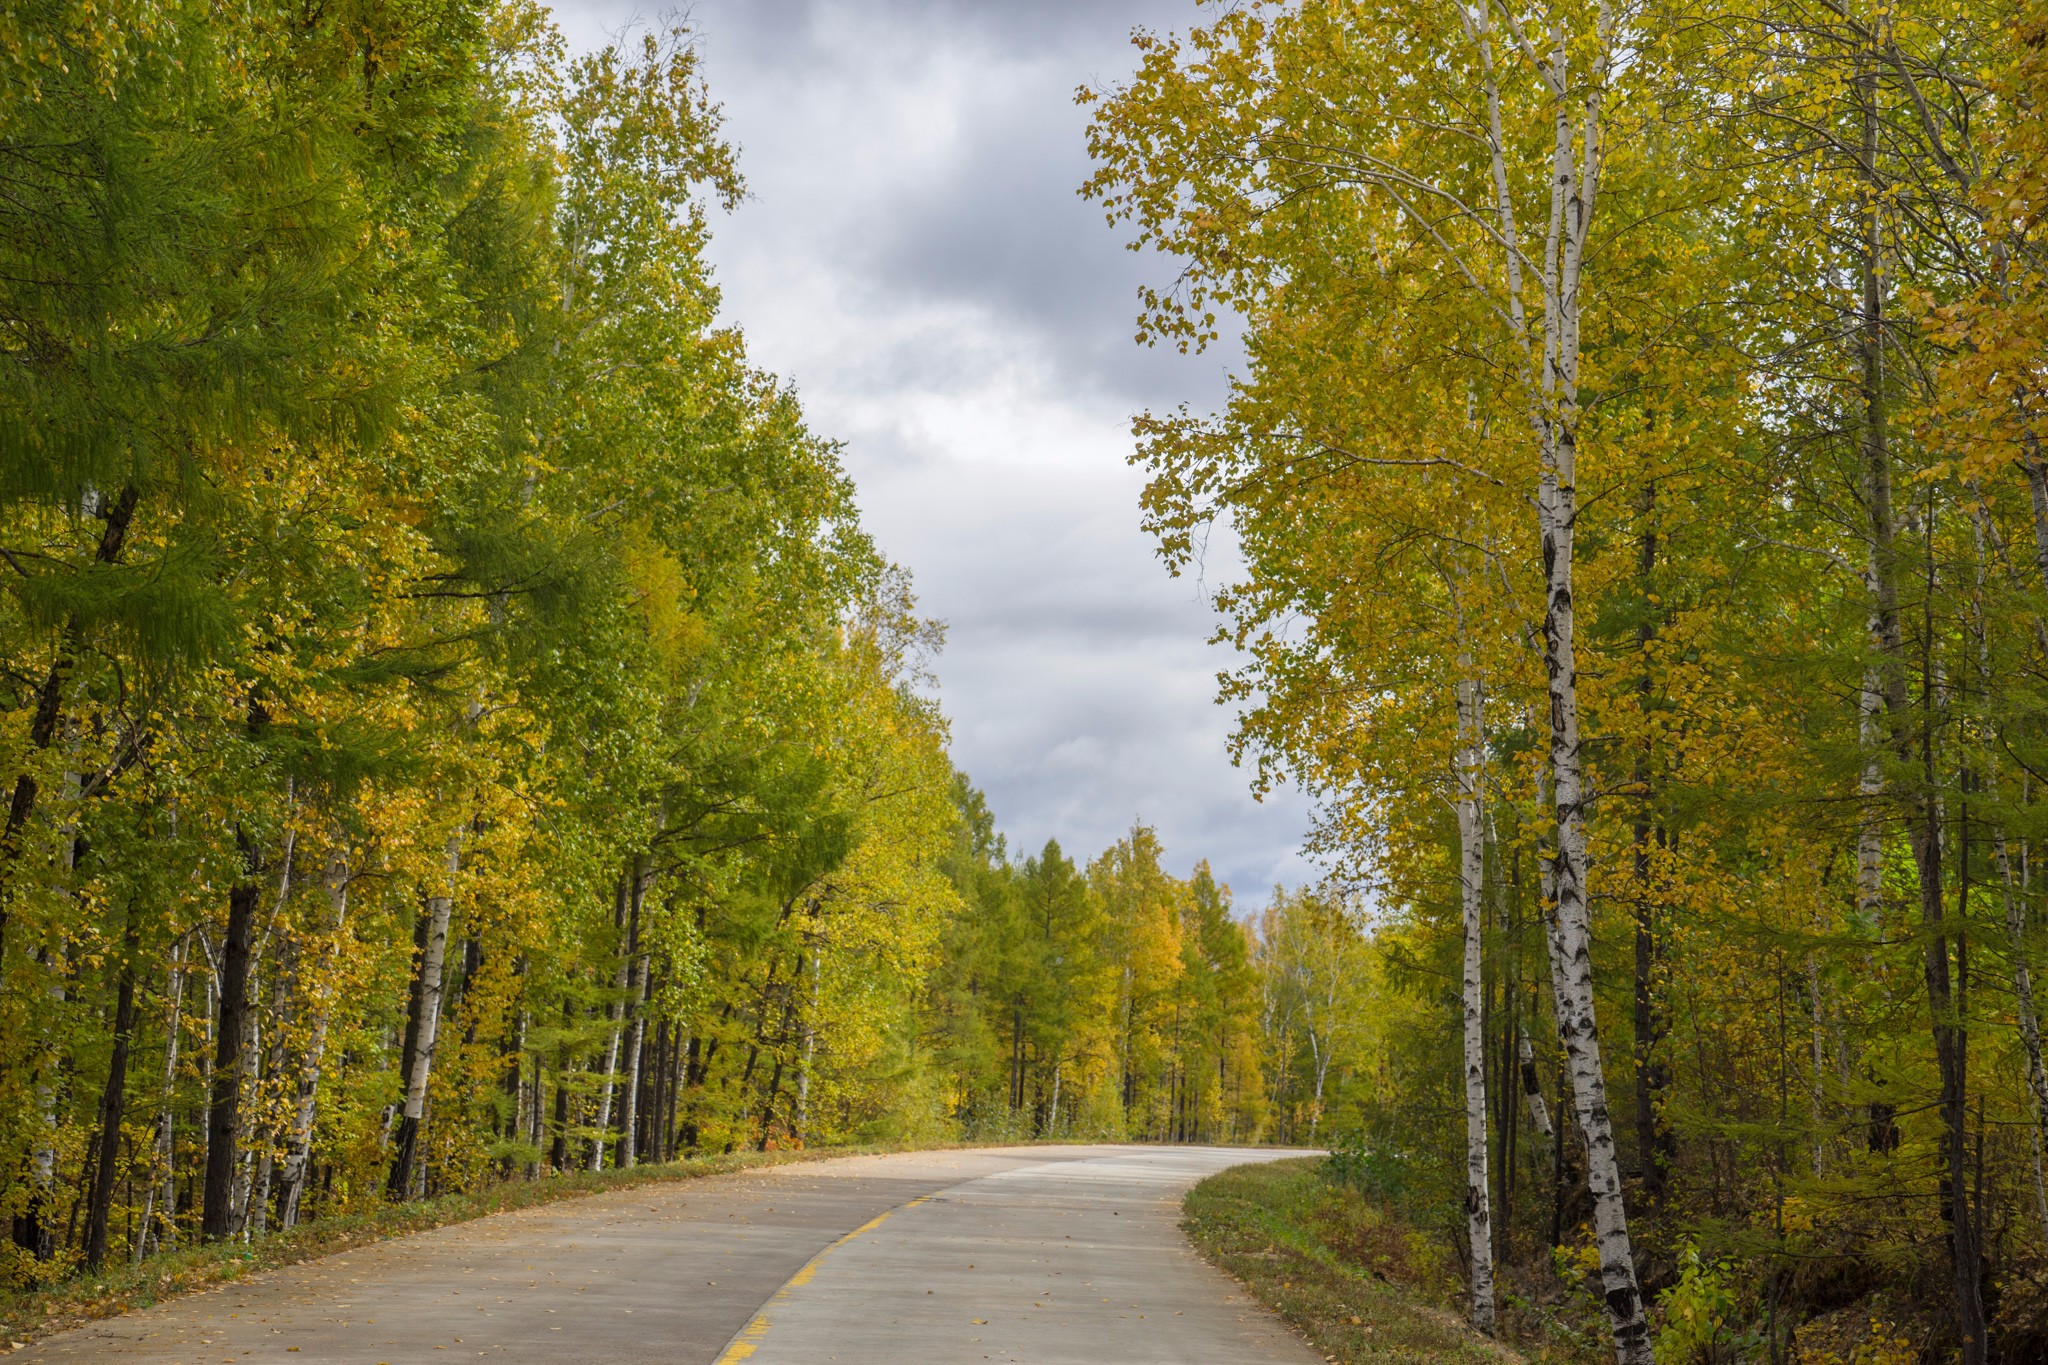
x=1472 y=879
x=257 y=1215
x=810 y=1057
x=1653 y=1139
x=1923 y=816
x=432 y=959
x=113 y=1102
x=615 y=1011
x=224 y=1109
x=1576 y=161
x=558 y=1151
x=164 y=1175
x=1532 y=1085
x=636 y=999
x=299 y=1143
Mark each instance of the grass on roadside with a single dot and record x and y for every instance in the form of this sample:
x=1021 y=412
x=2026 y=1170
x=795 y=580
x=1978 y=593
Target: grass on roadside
x=1363 y=1288
x=29 y=1313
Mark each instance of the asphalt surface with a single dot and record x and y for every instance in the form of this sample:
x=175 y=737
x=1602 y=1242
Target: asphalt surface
x=1036 y=1254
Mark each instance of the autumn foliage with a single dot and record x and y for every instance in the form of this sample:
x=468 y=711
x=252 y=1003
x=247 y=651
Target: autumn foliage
x=1657 y=386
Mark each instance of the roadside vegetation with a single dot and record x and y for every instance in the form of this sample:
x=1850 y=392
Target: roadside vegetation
x=1361 y=1283
x=454 y=730
x=1636 y=465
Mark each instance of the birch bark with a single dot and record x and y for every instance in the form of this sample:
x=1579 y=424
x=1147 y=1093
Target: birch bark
x=299 y=1142
x=1576 y=163
x=810 y=1054
x=432 y=961
x=1472 y=879
x=165 y=1187
x=636 y=999
x=1532 y=1084
x=617 y=1013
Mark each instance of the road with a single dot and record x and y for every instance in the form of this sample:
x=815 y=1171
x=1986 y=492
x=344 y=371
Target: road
x=1036 y=1254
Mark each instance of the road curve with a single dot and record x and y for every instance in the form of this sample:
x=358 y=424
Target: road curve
x=1038 y=1254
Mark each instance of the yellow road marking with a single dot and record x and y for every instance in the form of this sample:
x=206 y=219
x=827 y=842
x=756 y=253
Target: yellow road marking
x=748 y=1339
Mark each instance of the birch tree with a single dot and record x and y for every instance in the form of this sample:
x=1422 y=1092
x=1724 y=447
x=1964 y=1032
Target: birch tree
x=1266 y=109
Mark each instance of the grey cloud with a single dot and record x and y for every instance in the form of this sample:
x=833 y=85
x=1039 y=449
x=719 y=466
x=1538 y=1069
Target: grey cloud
x=1015 y=27
x=915 y=259
x=1007 y=229
x=1002 y=225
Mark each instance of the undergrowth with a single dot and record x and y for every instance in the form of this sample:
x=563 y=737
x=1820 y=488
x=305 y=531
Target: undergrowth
x=1335 y=1257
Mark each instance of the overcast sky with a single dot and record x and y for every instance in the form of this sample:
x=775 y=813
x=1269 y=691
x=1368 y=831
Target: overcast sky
x=914 y=258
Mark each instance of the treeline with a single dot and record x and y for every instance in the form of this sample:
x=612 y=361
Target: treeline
x=1110 y=1001
x=1117 y=1002
x=1637 y=461
x=453 y=724
x=455 y=729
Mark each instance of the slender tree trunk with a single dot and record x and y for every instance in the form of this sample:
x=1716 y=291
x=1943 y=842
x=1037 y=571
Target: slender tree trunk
x=163 y=1184
x=810 y=1057
x=1532 y=1085
x=679 y=1070
x=113 y=1102
x=615 y=1011
x=558 y=1152
x=1472 y=879
x=433 y=958
x=2029 y=1017
x=299 y=1143
x=636 y=999
x=1922 y=812
x=224 y=1111
x=2037 y=494
x=1652 y=1138
x=1554 y=416
x=257 y=1216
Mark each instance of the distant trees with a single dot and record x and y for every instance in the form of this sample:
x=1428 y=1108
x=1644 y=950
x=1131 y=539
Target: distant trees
x=1120 y=1001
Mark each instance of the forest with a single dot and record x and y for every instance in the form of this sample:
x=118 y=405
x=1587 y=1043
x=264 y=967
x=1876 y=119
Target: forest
x=455 y=728
x=1636 y=453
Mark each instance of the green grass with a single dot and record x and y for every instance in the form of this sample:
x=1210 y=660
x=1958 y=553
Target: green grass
x=1361 y=1286
x=29 y=1313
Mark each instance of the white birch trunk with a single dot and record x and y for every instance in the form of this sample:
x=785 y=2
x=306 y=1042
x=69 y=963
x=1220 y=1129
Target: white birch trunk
x=1532 y=1085
x=266 y=1162
x=433 y=961
x=252 y=1099
x=165 y=1187
x=616 y=1013
x=1472 y=886
x=299 y=1142
x=1554 y=417
x=803 y=1075
x=629 y=1120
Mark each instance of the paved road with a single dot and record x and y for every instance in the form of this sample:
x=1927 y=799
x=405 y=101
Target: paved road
x=1036 y=1254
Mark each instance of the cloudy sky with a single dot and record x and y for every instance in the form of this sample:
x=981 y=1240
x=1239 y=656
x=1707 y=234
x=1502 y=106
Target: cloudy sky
x=913 y=256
